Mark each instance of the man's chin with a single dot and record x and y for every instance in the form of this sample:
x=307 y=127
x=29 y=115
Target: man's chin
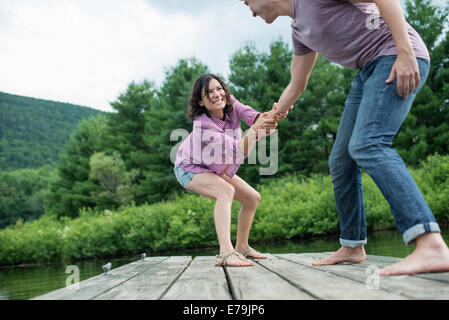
x=269 y=20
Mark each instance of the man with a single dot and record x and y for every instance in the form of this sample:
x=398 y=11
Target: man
x=393 y=63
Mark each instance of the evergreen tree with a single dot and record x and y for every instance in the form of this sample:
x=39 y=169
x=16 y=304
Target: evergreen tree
x=73 y=190
x=126 y=129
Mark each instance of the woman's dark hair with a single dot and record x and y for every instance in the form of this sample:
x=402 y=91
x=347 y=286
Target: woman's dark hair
x=194 y=109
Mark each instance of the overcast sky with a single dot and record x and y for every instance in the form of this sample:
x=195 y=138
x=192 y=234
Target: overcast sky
x=86 y=52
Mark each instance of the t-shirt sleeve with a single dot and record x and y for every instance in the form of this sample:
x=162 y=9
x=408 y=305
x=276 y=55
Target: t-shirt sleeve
x=245 y=113
x=299 y=48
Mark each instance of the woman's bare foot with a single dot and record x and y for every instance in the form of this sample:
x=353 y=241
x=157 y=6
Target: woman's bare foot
x=431 y=255
x=233 y=259
x=251 y=253
x=344 y=254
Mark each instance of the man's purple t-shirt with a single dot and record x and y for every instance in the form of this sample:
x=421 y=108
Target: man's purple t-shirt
x=346 y=32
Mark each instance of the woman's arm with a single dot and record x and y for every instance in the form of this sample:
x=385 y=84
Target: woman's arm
x=263 y=121
x=405 y=68
x=256 y=121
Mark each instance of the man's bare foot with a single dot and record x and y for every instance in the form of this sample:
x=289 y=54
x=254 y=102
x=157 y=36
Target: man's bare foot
x=431 y=255
x=344 y=254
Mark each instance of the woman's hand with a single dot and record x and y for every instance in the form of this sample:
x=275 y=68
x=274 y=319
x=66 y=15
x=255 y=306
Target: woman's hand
x=406 y=70
x=267 y=121
x=264 y=125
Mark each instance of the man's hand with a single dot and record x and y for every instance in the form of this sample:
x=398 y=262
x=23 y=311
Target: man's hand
x=406 y=70
x=278 y=115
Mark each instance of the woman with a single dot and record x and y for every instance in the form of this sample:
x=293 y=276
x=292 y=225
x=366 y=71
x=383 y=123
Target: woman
x=207 y=162
x=393 y=63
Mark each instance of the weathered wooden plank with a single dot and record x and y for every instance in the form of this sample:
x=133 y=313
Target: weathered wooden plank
x=96 y=285
x=323 y=285
x=150 y=284
x=201 y=281
x=405 y=285
x=258 y=283
x=383 y=261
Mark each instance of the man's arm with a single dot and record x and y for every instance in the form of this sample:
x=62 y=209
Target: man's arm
x=300 y=71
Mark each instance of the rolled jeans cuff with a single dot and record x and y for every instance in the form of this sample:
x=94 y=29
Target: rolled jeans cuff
x=352 y=243
x=412 y=233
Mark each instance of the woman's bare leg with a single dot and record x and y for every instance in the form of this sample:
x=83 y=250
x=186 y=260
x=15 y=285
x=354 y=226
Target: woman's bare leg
x=249 y=198
x=212 y=186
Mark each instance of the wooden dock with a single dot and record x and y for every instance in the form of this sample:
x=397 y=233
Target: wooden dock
x=280 y=277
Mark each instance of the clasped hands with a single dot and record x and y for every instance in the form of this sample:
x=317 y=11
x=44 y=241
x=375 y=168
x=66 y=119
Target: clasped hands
x=267 y=122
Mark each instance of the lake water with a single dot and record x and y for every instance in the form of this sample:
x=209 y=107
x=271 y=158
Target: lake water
x=21 y=283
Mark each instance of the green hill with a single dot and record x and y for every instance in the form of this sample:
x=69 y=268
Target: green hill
x=34 y=131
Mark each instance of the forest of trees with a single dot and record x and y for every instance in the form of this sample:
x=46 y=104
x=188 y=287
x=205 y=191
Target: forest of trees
x=34 y=131
x=123 y=158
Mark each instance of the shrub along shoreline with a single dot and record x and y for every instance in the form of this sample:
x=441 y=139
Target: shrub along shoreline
x=291 y=207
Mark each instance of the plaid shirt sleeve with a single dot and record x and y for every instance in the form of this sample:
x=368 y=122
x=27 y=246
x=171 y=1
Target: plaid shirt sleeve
x=245 y=113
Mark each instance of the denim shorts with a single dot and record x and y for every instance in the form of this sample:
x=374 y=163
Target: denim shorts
x=184 y=177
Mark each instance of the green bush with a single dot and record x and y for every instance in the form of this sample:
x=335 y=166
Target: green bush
x=434 y=179
x=291 y=207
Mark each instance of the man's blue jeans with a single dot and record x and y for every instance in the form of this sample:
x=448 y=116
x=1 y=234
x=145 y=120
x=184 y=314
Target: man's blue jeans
x=373 y=114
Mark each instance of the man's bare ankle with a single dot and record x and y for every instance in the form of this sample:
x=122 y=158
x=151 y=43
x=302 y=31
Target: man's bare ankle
x=356 y=254
x=353 y=250
x=432 y=241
